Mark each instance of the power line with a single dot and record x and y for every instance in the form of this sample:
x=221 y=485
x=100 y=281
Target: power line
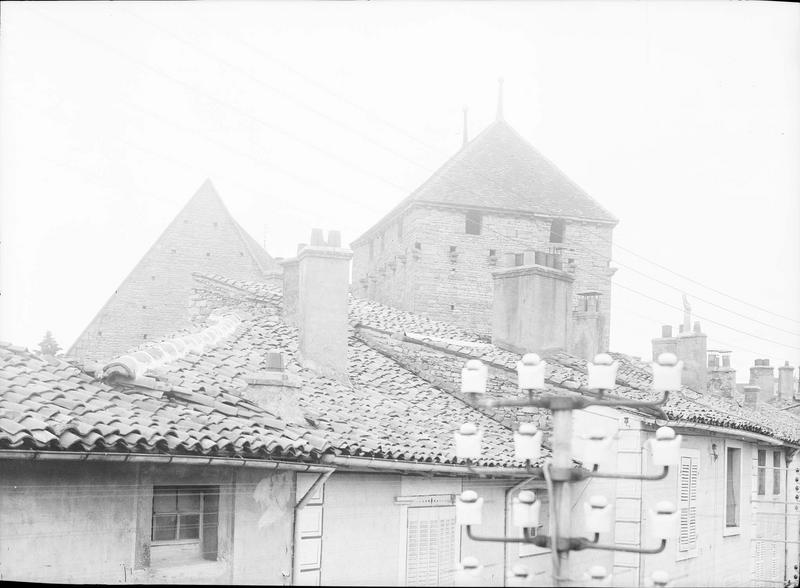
x=370 y=174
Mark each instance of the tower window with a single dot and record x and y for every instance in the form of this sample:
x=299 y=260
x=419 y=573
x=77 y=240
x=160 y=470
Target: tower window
x=557 y=230
x=473 y=222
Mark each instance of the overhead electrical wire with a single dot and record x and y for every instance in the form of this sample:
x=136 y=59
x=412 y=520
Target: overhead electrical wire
x=384 y=180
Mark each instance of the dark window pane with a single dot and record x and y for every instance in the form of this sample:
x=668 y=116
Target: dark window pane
x=164 y=527
x=164 y=500
x=189 y=527
x=557 y=231
x=189 y=500
x=473 y=223
x=776 y=473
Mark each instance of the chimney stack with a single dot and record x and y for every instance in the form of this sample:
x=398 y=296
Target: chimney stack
x=786 y=382
x=531 y=307
x=721 y=376
x=275 y=389
x=751 y=394
x=322 y=304
x=763 y=376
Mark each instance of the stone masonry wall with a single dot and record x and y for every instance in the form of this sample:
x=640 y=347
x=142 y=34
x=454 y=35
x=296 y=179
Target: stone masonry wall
x=456 y=286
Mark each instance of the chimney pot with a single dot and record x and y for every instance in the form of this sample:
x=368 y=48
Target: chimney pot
x=334 y=239
x=666 y=331
x=697 y=327
x=317 y=238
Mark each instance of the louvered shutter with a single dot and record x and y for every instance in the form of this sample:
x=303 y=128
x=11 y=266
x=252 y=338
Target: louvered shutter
x=431 y=546
x=687 y=491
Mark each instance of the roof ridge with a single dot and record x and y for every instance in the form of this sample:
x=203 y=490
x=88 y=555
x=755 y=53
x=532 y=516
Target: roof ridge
x=134 y=364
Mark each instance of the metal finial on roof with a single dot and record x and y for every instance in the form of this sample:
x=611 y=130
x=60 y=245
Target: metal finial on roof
x=499 y=98
x=466 y=132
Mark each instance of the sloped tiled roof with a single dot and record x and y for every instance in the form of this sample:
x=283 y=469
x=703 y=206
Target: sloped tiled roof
x=193 y=404
x=499 y=169
x=564 y=371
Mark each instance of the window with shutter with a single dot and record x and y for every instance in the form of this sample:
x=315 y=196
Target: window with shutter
x=687 y=496
x=431 y=546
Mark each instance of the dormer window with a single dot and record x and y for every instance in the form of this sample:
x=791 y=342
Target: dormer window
x=557 y=228
x=473 y=222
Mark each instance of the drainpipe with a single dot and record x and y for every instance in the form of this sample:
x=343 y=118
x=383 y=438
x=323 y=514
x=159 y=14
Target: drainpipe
x=320 y=481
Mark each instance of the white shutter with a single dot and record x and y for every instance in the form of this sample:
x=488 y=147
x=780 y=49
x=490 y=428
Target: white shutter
x=308 y=542
x=431 y=546
x=687 y=496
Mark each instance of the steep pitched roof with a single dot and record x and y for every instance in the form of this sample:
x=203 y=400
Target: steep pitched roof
x=499 y=169
x=153 y=300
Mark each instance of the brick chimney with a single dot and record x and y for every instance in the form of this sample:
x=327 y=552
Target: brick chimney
x=751 y=396
x=291 y=284
x=322 y=304
x=721 y=376
x=689 y=347
x=531 y=307
x=786 y=382
x=588 y=326
x=763 y=376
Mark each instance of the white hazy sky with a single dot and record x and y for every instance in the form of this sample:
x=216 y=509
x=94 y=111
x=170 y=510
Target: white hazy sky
x=680 y=118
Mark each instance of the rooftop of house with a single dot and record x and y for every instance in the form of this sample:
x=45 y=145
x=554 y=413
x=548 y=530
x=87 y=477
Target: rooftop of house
x=500 y=170
x=186 y=396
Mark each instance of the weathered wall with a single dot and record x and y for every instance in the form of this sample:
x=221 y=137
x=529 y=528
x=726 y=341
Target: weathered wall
x=361 y=530
x=88 y=523
x=457 y=287
x=722 y=559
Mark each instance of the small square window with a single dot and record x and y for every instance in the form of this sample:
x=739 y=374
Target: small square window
x=184 y=524
x=473 y=222
x=557 y=228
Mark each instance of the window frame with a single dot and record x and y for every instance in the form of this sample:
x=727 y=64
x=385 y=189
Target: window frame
x=733 y=529
x=439 y=501
x=177 y=552
x=558 y=227
x=777 y=472
x=473 y=219
x=761 y=473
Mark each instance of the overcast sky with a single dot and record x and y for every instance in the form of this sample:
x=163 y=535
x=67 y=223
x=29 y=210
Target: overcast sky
x=681 y=119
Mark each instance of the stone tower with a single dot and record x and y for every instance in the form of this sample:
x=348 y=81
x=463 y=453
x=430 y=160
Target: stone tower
x=496 y=199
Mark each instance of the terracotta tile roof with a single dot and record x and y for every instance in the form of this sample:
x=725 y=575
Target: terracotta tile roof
x=193 y=404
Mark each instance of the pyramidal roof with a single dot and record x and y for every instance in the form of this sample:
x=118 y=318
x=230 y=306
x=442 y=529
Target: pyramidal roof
x=499 y=169
x=153 y=300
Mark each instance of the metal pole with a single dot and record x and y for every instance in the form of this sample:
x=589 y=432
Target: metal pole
x=562 y=499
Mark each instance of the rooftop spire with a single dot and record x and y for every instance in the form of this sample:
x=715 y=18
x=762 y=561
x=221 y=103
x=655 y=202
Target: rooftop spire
x=499 y=98
x=466 y=131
